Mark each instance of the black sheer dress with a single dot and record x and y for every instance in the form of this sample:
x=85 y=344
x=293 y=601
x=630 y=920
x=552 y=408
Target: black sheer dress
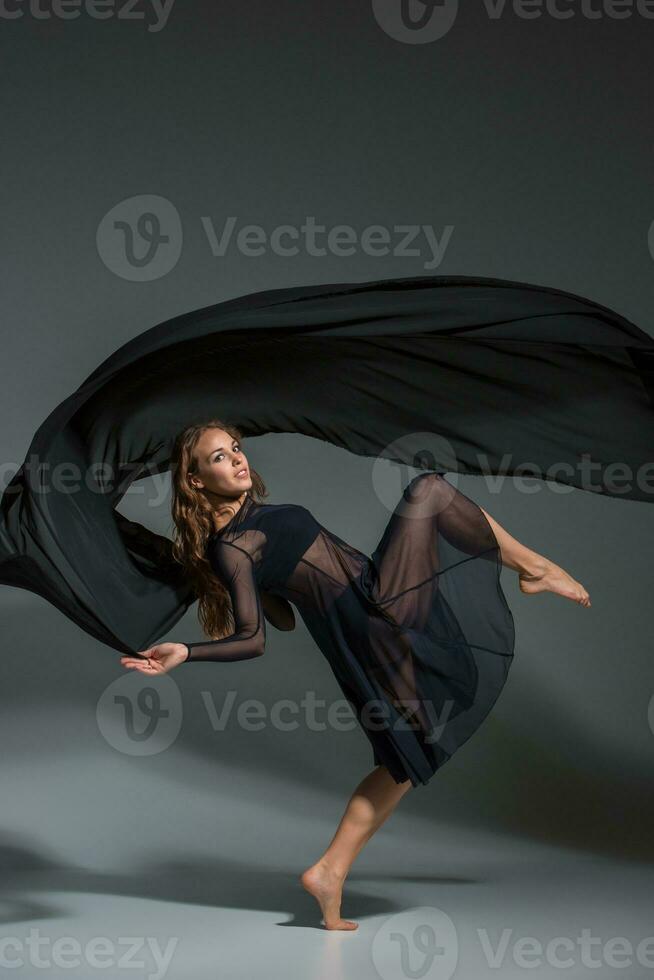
x=419 y=635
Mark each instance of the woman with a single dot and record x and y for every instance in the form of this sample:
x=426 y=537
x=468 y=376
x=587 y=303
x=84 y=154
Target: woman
x=421 y=627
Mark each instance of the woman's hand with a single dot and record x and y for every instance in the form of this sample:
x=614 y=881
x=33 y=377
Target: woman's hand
x=158 y=659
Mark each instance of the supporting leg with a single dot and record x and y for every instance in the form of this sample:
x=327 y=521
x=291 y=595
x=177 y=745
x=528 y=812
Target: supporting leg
x=370 y=805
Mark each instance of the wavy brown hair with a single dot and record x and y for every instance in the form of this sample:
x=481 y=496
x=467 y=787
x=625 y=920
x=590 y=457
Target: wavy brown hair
x=195 y=520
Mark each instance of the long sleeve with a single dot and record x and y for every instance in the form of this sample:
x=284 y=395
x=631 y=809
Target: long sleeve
x=234 y=566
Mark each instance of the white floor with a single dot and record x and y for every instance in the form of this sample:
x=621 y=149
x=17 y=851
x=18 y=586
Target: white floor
x=481 y=907
x=529 y=856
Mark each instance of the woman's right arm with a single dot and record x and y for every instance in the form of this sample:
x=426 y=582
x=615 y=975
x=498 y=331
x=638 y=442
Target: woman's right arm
x=236 y=569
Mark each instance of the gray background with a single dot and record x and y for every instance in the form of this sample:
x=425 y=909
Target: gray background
x=532 y=139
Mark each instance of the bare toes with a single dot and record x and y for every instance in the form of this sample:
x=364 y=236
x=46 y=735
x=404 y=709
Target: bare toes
x=344 y=924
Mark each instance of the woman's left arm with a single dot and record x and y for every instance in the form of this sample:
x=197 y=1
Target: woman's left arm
x=278 y=611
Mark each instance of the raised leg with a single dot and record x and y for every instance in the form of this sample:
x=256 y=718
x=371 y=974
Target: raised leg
x=433 y=528
x=535 y=572
x=514 y=554
x=370 y=805
x=431 y=515
x=406 y=560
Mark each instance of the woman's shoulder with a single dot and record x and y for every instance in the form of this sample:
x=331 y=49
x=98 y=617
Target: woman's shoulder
x=255 y=514
x=256 y=510
x=285 y=513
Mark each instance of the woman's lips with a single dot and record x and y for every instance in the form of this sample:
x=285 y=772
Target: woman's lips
x=241 y=475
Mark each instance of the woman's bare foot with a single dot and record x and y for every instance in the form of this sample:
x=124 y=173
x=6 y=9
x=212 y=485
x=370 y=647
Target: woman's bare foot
x=546 y=576
x=326 y=886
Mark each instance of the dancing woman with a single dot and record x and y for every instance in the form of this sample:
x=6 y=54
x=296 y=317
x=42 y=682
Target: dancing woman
x=420 y=629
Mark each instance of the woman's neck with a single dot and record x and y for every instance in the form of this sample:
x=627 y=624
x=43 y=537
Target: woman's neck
x=227 y=512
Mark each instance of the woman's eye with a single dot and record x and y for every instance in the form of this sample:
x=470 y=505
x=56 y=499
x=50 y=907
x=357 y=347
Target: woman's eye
x=221 y=455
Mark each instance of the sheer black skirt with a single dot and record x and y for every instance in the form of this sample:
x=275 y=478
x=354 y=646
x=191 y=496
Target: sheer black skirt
x=439 y=640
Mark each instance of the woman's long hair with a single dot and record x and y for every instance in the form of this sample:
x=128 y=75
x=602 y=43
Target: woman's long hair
x=194 y=520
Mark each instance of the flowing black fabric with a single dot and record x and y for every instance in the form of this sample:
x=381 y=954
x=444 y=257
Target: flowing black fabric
x=516 y=372
x=419 y=635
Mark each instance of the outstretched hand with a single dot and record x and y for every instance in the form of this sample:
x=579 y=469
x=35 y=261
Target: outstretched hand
x=158 y=659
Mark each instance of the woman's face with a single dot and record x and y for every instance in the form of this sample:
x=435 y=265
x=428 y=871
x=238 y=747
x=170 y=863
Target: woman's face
x=222 y=465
